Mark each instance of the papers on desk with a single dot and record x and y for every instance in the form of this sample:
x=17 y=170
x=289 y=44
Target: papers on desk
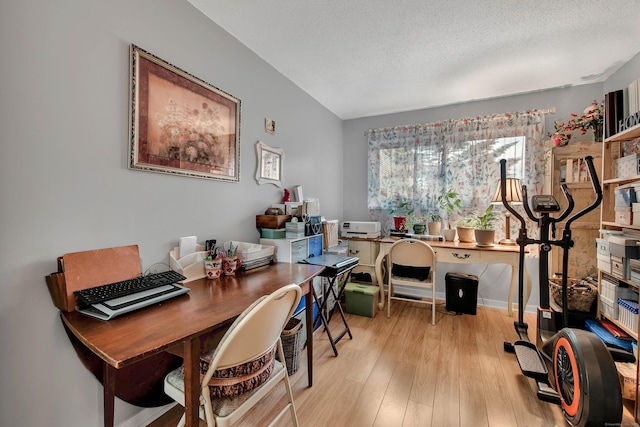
x=187 y=246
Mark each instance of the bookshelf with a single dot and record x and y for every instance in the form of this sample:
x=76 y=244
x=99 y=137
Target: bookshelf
x=628 y=283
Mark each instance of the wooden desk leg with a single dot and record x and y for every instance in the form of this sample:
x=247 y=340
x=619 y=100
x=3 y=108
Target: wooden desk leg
x=109 y=393
x=192 y=381
x=308 y=303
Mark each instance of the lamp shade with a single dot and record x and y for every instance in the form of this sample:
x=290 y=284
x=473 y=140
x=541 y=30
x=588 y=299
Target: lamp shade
x=514 y=192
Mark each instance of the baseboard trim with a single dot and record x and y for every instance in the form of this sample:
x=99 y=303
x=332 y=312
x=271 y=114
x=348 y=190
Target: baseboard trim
x=146 y=416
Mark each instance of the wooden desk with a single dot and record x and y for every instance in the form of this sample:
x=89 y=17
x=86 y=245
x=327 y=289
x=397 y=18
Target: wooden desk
x=210 y=305
x=456 y=252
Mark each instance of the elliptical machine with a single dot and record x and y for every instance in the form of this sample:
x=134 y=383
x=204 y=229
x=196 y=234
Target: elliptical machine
x=572 y=367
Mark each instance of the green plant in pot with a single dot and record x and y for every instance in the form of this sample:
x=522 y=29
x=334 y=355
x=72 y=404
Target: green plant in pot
x=484 y=231
x=419 y=225
x=404 y=212
x=449 y=202
x=433 y=223
x=466 y=227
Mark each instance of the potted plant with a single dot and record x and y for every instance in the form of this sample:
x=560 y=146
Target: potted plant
x=450 y=203
x=419 y=225
x=433 y=223
x=484 y=231
x=466 y=227
x=399 y=221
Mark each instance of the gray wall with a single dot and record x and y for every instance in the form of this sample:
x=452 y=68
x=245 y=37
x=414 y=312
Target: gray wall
x=65 y=186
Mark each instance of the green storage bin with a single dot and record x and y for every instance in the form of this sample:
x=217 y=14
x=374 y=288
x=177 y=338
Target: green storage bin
x=273 y=233
x=362 y=300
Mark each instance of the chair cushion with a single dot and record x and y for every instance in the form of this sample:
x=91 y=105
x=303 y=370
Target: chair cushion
x=420 y=273
x=174 y=387
x=239 y=379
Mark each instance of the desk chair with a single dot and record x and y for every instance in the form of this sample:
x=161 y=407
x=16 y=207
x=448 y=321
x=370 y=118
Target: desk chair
x=412 y=267
x=253 y=336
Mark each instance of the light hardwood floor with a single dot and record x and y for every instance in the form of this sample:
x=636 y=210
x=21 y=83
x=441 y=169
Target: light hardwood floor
x=405 y=372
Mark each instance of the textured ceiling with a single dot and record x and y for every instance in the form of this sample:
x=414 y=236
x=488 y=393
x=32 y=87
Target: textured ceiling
x=362 y=58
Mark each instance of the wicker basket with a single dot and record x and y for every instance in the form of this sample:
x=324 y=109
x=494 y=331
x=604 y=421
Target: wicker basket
x=580 y=293
x=292 y=344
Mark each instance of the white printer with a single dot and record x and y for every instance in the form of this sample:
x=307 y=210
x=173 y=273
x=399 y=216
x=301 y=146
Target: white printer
x=363 y=229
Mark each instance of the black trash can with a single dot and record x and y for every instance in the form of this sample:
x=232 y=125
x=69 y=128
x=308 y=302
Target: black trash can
x=461 y=293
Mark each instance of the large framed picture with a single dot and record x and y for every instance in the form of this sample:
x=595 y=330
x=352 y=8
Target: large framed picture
x=180 y=124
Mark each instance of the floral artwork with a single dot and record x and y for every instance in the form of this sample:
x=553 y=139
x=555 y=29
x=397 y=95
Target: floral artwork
x=181 y=124
x=592 y=118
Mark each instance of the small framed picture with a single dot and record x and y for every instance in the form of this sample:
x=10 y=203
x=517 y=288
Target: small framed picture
x=269 y=164
x=270 y=126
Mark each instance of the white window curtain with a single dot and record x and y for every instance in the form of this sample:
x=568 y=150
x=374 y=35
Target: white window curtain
x=416 y=163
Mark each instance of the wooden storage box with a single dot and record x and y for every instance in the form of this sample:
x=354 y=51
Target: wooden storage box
x=272 y=221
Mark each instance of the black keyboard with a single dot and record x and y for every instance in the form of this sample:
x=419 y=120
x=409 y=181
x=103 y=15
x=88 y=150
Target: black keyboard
x=110 y=291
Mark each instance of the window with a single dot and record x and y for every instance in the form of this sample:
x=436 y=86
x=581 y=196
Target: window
x=415 y=164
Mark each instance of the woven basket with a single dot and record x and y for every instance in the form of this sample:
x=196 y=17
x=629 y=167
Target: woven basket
x=292 y=344
x=580 y=293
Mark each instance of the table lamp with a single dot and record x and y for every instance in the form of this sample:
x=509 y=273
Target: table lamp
x=514 y=197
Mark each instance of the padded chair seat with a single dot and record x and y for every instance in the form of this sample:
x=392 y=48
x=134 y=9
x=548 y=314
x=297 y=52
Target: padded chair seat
x=242 y=369
x=235 y=380
x=221 y=406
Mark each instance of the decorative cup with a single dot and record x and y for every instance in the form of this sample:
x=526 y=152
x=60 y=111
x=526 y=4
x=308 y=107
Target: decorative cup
x=213 y=268
x=231 y=264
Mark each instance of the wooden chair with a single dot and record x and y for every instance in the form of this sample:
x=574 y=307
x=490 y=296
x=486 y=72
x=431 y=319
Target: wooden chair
x=251 y=338
x=412 y=269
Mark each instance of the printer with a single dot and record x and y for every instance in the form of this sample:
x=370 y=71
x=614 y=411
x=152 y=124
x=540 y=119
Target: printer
x=363 y=229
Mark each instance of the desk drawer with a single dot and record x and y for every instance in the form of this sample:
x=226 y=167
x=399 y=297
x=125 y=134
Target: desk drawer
x=457 y=255
x=362 y=250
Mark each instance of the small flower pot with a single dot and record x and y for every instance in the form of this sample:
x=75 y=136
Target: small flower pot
x=465 y=234
x=399 y=222
x=449 y=234
x=419 y=228
x=485 y=237
x=434 y=228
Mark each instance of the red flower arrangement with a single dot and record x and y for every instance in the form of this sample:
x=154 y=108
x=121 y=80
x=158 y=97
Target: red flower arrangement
x=592 y=118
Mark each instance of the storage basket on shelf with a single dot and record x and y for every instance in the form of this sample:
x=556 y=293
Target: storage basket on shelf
x=580 y=293
x=292 y=344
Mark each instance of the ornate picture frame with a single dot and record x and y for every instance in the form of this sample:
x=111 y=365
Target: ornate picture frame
x=180 y=124
x=269 y=165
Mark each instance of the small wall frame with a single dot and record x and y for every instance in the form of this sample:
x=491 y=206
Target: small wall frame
x=269 y=164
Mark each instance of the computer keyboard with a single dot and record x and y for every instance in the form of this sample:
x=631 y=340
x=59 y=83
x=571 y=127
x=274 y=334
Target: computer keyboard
x=123 y=288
